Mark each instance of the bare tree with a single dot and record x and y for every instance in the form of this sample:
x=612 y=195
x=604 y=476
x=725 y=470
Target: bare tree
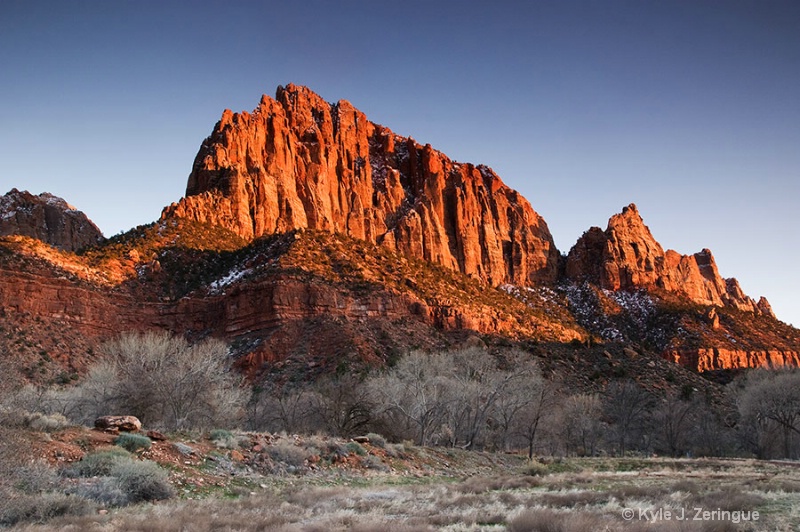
x=479 y=391
x=673 y=420
x=414 y=393
x=343 y=404
x=284 y=408
x=581 y=424
x=772 y=399
x=541 y=399
x=167 y=382
x=627 y=407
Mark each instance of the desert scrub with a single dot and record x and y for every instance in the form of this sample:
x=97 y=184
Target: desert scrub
x=377 y=440
x=288 y=453
x=97 y=464
x=356 y=448
x=115 y=478
x=220 y=435
x=47 y=423
x=225 y=439
x=41 y=508
x=132 y=442
x=535 y=469
x=142 y=481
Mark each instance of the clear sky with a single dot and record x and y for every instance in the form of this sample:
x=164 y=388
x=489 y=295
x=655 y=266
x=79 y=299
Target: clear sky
x=690 y=109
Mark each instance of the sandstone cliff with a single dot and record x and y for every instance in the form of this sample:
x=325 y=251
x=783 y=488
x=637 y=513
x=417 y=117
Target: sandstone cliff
x=712 y=359
x=297 y=162
x=47 y=218
x=626 y=256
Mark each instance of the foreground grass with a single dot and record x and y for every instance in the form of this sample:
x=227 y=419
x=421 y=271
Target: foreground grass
x=557 y=495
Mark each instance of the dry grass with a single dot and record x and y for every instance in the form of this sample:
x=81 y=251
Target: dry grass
x=593 y=499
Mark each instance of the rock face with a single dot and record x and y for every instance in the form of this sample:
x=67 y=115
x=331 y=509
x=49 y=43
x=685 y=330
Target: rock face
x=626 y=256
x=47 y=218
x=710 y=359
x=297 y=162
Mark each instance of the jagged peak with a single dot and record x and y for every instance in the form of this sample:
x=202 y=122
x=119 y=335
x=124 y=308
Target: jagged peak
x=300 y=162
x=626 y=256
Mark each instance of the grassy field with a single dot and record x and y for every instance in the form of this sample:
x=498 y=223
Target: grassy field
x=441 y=489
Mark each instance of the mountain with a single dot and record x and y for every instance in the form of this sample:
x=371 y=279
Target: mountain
x=314 y=240
x=299 y=162
x=626 y=257
x=47 y=218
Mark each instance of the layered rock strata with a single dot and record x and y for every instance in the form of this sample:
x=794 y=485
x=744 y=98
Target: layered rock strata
x=710 y=359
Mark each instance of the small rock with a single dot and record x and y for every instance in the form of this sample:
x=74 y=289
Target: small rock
x=156 y=436
x=236 y=456
x=120 y=423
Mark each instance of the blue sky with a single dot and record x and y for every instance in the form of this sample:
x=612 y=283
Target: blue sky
x=689 y=109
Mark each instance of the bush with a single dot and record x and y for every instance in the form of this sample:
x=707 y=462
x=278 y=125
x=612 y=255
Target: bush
x=132 y=442
x=535 y=469
x=220 y=435
x=287 y=453
x=356 y=448
x=40 y=508
x=97 y=464
x=377 y=440
x=142 y=481
x=45 y=423
x=374 y=462
x=103 y=490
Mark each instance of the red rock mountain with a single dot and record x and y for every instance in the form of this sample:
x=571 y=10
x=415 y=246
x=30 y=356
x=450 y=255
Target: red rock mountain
x=626 y=257
x=370 y=233
x=47 y=218
x=298 y=161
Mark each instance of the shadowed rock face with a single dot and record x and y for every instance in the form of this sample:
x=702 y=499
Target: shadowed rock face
x=47 y=218
x=626 y=256
x=297 y=162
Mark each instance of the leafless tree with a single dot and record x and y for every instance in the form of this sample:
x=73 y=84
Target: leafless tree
x=673 y=420
x=343 y=404
x=166 y=381
x=582 y=427
x=627 y=407
x=286 y=408
x=414 y=392
x=771 y=400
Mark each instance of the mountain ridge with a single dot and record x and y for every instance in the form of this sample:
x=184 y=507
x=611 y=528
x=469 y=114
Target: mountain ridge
x=309 y=235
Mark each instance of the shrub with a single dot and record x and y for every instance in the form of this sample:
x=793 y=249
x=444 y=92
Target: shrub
x=36 y=477
x=287 y=453
x=45 y=423
x=356 y=448
x=97 y=464
x=220 y=435
x=377 y=440
x=374 y=462
x=132 y=442
x=40 y=508
x=103 y=490
x=535 y=469
x=142 y=480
